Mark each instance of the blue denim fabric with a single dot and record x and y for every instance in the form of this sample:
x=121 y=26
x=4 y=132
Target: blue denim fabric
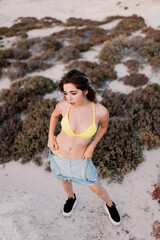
x=74 y=170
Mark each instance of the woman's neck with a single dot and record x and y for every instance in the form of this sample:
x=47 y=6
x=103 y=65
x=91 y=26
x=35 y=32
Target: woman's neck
x=85 y=103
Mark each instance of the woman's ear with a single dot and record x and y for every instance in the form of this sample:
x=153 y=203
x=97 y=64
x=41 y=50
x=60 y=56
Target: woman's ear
x=85 y=92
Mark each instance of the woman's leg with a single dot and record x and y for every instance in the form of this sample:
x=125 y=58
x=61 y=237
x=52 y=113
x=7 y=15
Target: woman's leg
x=101 y=192
x=68 y=187
x=71 y=201
x=110 y=206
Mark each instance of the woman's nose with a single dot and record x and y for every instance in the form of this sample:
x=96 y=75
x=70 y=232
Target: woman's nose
x=69 y=97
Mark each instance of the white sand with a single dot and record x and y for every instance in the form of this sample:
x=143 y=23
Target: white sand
x=53 y=73
x=4 y=83
x=31 y=202
x=44 y=32
x=31 y=199
x=93 y=9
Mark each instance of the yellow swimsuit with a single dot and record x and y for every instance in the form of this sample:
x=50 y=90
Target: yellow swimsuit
x=89 y=132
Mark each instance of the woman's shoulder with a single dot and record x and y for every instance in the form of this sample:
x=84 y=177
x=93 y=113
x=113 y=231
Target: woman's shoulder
x=62 y=105
x=101 y=111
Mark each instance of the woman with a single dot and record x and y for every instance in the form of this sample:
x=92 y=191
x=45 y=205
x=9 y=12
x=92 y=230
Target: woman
x=71 y=151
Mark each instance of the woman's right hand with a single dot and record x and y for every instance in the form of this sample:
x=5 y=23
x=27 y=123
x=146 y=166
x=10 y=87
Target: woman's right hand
x=52 y=144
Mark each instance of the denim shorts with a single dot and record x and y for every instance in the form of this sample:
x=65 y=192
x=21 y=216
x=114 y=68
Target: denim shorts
x=74 y=170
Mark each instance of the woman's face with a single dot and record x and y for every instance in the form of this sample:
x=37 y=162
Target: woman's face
x=73 y=95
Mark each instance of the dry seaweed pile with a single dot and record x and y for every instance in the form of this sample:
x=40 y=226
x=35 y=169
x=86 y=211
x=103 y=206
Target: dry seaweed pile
x=134 y=118
x=156 y=196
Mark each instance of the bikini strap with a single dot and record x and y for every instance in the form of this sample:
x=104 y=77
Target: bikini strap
x=93 y=111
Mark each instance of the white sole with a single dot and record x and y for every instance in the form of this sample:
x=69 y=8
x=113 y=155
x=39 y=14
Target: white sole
x=70 y=213
x=112 y=221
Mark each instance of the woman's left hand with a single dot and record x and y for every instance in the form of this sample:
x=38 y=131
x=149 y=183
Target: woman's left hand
x=88 y=153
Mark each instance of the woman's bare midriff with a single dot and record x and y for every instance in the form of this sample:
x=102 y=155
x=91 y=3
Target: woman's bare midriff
x=71 y=146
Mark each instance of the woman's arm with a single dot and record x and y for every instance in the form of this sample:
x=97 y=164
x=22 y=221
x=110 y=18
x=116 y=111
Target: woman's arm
x=53 y=121
x=103 y=117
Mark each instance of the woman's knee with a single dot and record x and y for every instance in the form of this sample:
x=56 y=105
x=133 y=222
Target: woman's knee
x=64 y=181
x=97 y=188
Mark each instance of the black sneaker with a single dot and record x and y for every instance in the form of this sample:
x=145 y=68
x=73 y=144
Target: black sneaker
x=69 y=206
x=113 y=214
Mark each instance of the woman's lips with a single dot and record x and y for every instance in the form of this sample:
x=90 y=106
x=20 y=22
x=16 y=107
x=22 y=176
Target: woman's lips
x=71 y=103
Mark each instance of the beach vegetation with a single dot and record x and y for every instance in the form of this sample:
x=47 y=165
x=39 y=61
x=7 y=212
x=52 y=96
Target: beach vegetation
x=152 y=53
x=33 y=46
x=156 y=192
x=98 y=35
x=83 y=47
x=132 y=65
x=34 y=135
x=135 y=79
x=109 y=53
x=49 y=43
x=97 y=73
x=19 y=69
x=47 y=167
x=127 y=25
x=91 y=34
x=24 y=24
x=156 y=225
x=114 y=102
x=47 y=56
x=142 y=106
x=67 y=54
x=119 y=151
x=110 y=19
x=156 y=229
x=150 y=50
x=148 y=138
x=78 y=22
x=136 y=42
x=4 y=63
x=3 y=31
x=21 y=98
x=8 y=132
x=152 y=33
x=140 y=109
x=38 y=160
x=134 y=117
x=37 y=84
x=23 y=93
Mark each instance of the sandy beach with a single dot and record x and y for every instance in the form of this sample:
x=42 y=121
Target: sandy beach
x=30 y=198
x=31 y=203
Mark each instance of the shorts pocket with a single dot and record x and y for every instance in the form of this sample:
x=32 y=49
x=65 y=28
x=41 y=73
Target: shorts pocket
x=91 y=172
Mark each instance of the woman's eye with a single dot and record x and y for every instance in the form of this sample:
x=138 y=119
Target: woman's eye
x=71 y=93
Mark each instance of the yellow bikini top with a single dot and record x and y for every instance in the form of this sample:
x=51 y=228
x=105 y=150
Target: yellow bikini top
x=89 y=132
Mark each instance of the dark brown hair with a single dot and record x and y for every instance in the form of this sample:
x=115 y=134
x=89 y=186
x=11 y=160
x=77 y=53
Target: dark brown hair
x=80 y=80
